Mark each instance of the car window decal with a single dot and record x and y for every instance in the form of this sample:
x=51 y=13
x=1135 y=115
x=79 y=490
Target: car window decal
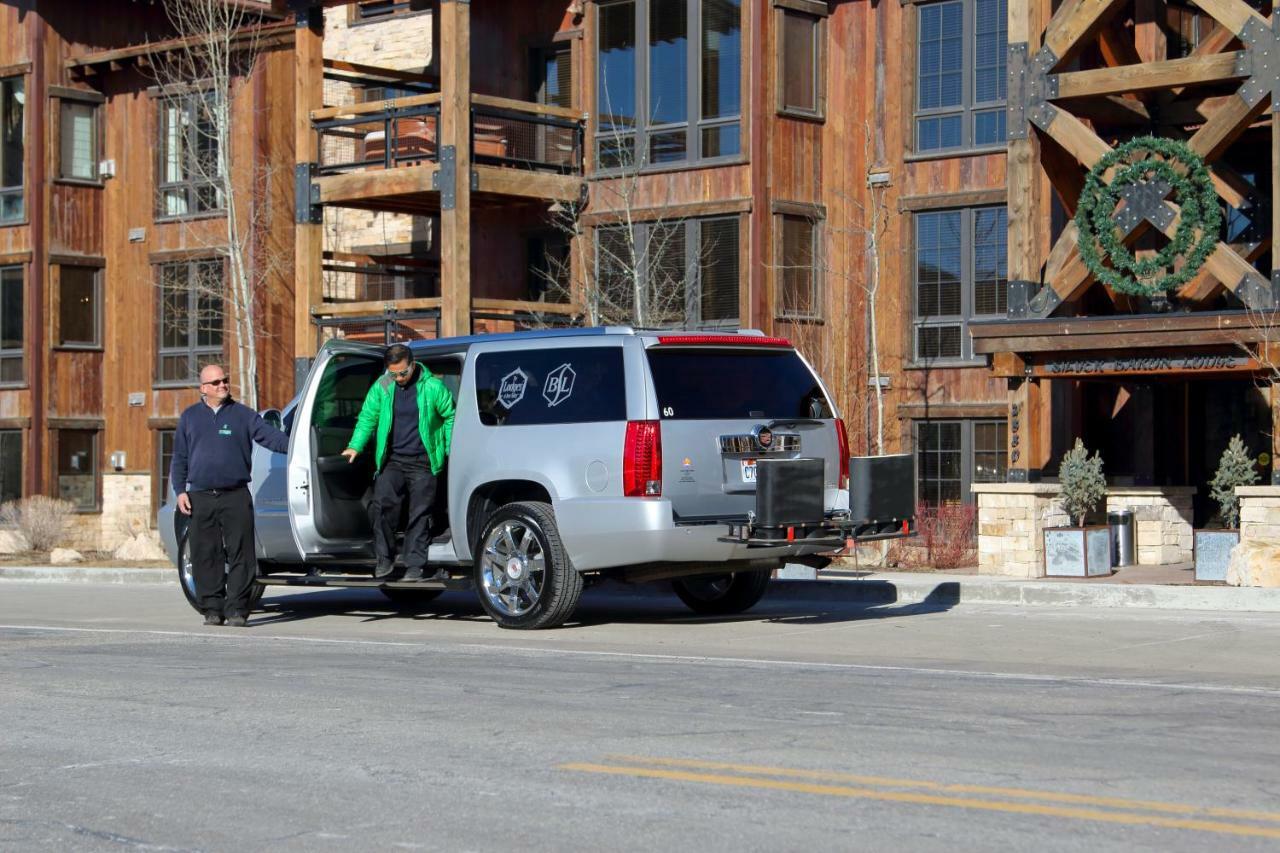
x=559 y=384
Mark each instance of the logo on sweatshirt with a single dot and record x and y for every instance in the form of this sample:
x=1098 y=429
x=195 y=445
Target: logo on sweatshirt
x=224 y=430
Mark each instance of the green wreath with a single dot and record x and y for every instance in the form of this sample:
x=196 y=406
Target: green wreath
x=1194 y=240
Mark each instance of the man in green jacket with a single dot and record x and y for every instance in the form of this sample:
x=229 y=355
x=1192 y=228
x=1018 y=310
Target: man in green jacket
x=411 y=412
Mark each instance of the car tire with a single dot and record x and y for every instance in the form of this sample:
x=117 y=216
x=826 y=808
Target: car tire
x=723 y=595
x=187 y=580
x=411 y=598
x=523 y=576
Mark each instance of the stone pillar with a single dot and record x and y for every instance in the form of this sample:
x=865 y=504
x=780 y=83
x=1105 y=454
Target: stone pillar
x=1162 y=521
x=1259 y=513
x=1011 y=522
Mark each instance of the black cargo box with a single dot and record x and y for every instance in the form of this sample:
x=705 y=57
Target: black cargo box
x=882 y=488
x=789 y=492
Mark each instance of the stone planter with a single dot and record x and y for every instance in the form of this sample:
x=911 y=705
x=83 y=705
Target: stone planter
x=1213 y=553
x=1077 y=552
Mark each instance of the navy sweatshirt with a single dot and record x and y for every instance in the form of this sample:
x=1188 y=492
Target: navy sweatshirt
x=214 y=450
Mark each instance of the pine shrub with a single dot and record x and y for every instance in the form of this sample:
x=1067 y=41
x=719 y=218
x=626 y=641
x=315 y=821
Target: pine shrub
x=1235 y=468
x=1083 y=485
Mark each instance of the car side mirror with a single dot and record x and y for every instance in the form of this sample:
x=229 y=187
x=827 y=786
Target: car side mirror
x=273 y=419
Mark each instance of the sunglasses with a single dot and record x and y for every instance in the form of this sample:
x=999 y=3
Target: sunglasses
x=216 y=382
x=400 y=374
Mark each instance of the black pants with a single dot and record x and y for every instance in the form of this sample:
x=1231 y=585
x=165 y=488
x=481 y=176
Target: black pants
x=222 y=551
x=403 y=476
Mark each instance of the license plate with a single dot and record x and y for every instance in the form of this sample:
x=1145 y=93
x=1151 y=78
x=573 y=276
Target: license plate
x=748 y=470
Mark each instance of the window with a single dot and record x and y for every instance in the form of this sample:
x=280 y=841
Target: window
x=190 y=319
x=78 y=468
x=376 y=10
x=553 y=76
x=190 y=165
x=801 y=61
x=953 y=455
x=960 y=79
x=668 y=81
x=687 y=273
x=961 y=263
x=799 y=279
x=79 y=306
x=761 y=383
x=78 y=146
x=12 y=335
x=164 y=461
x=10 y=465
x=12 y=99
x=551 y=386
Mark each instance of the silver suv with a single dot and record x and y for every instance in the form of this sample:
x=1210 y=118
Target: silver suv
x=577 y=455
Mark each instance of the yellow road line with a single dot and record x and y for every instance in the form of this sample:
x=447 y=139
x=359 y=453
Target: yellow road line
x=1020 y=793
x=929 y=799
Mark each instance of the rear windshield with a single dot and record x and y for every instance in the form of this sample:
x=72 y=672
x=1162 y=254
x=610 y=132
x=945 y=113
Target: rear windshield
x=735 y=383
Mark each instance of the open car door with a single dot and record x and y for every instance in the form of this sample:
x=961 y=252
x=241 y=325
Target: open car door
x=327 y=511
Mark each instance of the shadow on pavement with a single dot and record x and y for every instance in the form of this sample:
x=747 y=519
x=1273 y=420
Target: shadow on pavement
x=786 y=603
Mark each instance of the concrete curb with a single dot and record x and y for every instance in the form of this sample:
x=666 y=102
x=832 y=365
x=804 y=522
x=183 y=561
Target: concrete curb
x=86 y=574
x=903 y=589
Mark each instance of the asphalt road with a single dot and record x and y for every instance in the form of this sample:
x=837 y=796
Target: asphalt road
x=334 y=724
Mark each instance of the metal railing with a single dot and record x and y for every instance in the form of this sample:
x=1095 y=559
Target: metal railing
x=384 y=139
x=526 y=140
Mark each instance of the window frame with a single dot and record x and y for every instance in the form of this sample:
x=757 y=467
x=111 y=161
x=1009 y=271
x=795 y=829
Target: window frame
x=968 y=107
x=692 y=257
x=967 y=357
x=819 y=12
x=94 y=106
x=20 y=435
x=817 y=281
x=95 y=465
x=642 y=130
x=192 y=350
x=18 y=190
x=97 y=343
x=160 y=481
x=19 y=353
x=189 y=185
x=398 y=9
x=968 y=452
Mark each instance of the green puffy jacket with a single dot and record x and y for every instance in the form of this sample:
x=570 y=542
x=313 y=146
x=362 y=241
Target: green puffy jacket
x=435 y=417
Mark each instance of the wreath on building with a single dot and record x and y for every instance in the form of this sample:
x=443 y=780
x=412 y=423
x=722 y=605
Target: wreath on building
x=1147 y=159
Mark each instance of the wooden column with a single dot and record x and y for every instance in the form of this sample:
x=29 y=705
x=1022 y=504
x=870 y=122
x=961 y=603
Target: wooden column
x=455 y=142
x=308 y=258
x=1027 y=215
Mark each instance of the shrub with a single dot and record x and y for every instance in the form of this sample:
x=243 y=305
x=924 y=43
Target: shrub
x=946 y=537
x=42 y=521
x=1234 y=469
x=1082 y=482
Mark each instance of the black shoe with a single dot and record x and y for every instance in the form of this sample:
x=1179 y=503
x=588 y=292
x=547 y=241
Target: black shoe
x=212 y=617
x=413 y=574
x=440 y=576
x=237 y=620
x=383 y=571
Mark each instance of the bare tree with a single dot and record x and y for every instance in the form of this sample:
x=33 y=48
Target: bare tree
x=204 y=75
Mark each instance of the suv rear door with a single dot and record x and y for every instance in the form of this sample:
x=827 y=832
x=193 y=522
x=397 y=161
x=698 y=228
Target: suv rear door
x=326 y=493
x=715 y=396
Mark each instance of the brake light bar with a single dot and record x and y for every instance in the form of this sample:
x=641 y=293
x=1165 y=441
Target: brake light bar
x=642 y=460
x=722 y=340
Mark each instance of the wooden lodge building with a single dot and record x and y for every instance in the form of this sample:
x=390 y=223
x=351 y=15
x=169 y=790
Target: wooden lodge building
x=890 y=184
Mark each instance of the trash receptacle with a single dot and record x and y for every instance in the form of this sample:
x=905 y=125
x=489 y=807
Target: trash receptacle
x=1124 y=548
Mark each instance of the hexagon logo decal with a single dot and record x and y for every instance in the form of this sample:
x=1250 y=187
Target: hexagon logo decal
x=511 y=391
x=559 y=385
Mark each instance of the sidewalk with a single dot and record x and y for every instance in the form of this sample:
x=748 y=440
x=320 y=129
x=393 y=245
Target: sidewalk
x=929 y=589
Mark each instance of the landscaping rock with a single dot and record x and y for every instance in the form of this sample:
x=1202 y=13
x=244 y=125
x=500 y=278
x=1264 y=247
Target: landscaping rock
x=1255 y=562
x=12 y=542
x=64 y=556
x=144 y=546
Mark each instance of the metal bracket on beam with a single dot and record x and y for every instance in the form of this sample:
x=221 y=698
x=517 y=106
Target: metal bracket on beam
x=1144 y=201
x=1030 y=88
x=1044 y=303
x=307 y=15
x=1257 y=292
x=1019 y=298
x=445 y=178
x=1016 y=111
x=306 y=196
x=1259 y=62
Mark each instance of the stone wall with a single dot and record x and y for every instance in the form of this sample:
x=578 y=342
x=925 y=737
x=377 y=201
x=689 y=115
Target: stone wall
x=1162 y=521
x=1259 y=512
x=1011 y=522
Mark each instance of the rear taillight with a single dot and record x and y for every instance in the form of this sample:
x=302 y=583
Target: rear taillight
x=842 y=442
x=642 y=460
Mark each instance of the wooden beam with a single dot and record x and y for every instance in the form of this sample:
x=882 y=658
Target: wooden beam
x=374 y=306
x=399 y=74
x=1147 y=76
x=1076 y=137
x=1025 y=412
x=1071 y=27
x=520 y=306
x=1238 y=322
x=1205 y=284
x=376 y=183
x=527 y=107
x=351 y=110
x=308 y=251
x=1118 y=341
x=261 y=37
x=1232 y=14
x=1224 y=126
x=1117 y=48
x=522 y=182
x=455 y=134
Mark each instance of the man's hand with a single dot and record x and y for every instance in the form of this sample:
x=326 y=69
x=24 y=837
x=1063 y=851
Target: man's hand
x=184 y=503
x=350 y=454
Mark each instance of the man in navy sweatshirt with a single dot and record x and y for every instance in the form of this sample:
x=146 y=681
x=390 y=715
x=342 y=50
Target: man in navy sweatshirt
x=211 y=472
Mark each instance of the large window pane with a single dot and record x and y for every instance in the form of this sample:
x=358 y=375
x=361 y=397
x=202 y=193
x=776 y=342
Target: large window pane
x=718 y=259
x=938 y=461
x=799 y=61
x=721 y=58
x=668 y=61
x=78 y=467
x=79 y=154
x=10 y=465
x=12 y=321
x=78 y=306
x=960 y=49
x=190 y=320
x=667 y=285
x=616 y=67
x=190 y=166
x=12 y=125
x=797 y=272
x=990 y=261
x=938 y=272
